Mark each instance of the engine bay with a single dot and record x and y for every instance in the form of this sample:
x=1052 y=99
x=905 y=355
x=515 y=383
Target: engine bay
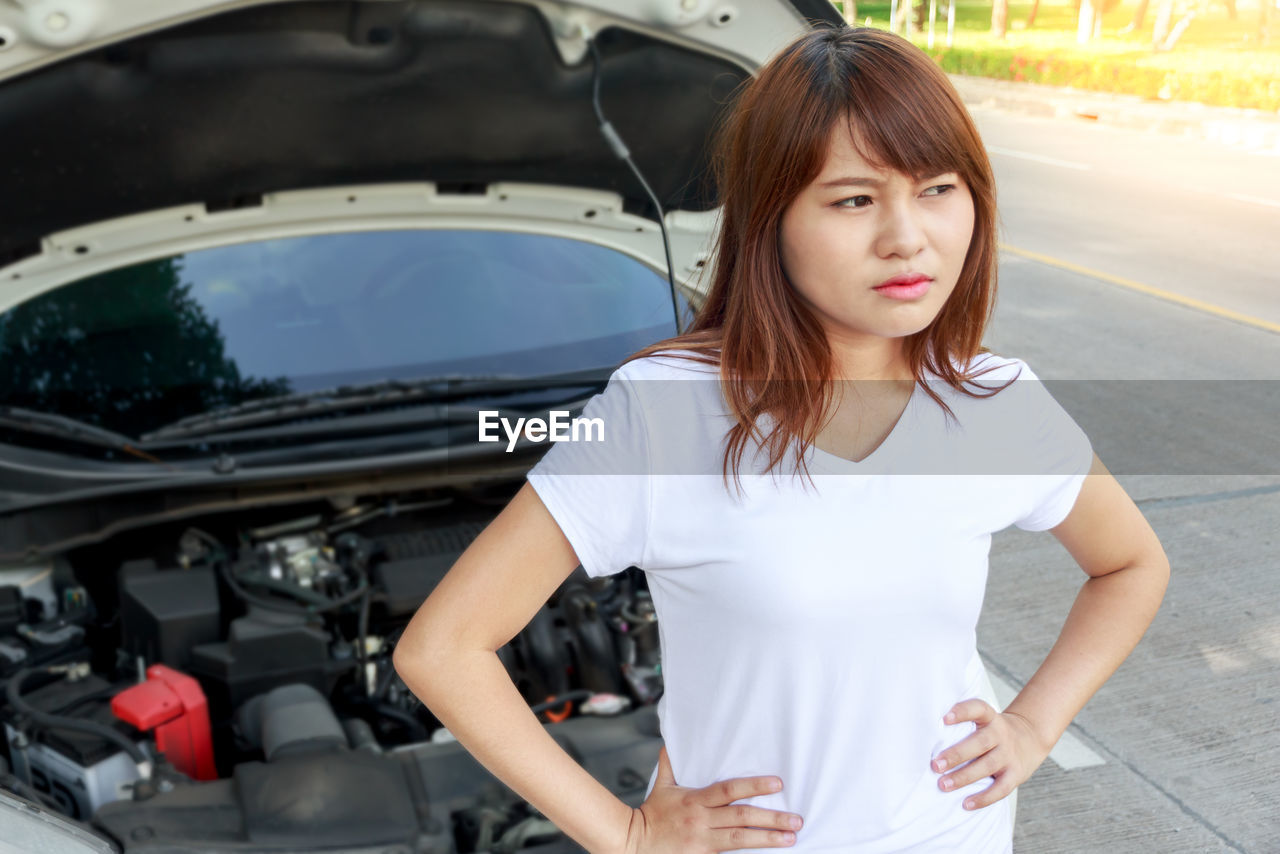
x=225 y=683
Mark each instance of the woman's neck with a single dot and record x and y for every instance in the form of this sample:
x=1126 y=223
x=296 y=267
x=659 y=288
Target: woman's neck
x=869 y=359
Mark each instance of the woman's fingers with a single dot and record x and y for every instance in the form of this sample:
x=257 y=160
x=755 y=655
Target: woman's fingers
x=731 y=839
x=678 y=816
x=737 y=788
x=984 y=766
x=997 y=791
x=742 y=815
x=975 y=745
x=977 y=711
x=735 y=826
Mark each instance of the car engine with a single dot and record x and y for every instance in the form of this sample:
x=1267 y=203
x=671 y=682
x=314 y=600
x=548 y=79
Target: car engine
x=225 y=683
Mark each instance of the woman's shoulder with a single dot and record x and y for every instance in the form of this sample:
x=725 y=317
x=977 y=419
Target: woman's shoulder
x=671 y=365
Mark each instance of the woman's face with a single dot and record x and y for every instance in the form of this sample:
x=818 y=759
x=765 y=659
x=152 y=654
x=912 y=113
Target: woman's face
x=854 y=227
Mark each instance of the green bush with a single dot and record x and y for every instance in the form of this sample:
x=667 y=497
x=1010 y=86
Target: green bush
x=1218 y=60
x=1107 y=74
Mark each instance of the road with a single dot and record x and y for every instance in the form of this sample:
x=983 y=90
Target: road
x=1185 y=216
x=1176 y=752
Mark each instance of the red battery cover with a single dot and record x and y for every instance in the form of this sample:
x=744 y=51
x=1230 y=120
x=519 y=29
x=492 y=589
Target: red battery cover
x=172 y=704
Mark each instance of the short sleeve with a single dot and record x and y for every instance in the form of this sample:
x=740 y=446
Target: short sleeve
x=1061 y=453
x=597 y=486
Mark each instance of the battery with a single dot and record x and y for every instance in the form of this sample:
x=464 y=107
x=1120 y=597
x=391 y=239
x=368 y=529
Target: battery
x=79 y=770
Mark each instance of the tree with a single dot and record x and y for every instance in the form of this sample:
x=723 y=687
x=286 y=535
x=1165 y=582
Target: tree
x=1035 y=7
x=1164 y=23
x=1089 y=22
x=1139 y=15
x=999 y=17
x=129 y=349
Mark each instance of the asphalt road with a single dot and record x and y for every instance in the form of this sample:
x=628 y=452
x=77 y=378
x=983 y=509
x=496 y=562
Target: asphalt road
x=1177 y=752
x=1186 y=216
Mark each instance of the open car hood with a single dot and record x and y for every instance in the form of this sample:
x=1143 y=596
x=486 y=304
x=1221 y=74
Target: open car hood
x=109 y=110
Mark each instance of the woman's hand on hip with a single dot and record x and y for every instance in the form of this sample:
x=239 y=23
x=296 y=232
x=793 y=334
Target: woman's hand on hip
x=1004 y=746
x=679 y=820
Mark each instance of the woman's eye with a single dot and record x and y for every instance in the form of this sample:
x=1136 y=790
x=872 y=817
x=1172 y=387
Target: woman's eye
x=853 y=202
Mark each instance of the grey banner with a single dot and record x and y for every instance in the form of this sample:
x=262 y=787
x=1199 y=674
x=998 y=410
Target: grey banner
x=1148 y=427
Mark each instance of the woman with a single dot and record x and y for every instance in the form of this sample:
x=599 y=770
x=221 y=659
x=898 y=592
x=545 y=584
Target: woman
x=809 y=479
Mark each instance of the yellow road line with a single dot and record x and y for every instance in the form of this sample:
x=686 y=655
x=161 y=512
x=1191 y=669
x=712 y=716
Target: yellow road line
x=1190 y=302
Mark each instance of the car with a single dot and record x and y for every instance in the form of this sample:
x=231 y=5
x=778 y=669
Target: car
x=268 y=271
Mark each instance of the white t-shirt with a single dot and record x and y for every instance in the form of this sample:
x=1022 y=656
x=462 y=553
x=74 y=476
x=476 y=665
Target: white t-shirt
x=818 y=632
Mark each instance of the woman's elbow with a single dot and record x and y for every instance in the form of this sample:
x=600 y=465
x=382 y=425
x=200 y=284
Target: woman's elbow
x=419 y=652
x=1163 y=571
x=1155 y=572
x=428 y=647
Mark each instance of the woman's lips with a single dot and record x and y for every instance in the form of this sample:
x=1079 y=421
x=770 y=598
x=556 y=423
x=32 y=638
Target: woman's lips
x=915 y=290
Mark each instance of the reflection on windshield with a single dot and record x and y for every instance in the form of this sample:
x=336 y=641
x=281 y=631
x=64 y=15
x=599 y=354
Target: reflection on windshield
x=143 y=346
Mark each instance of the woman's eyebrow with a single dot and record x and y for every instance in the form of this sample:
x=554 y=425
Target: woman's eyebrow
x=851 y=181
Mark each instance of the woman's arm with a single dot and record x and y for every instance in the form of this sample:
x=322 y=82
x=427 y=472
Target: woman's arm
x=1128 y=572
x=448 y=658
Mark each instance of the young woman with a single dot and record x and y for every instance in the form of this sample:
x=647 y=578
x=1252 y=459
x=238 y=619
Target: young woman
x=809 y=479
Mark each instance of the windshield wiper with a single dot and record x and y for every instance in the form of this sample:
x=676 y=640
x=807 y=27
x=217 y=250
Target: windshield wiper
x=273 y=410
x=62 y=427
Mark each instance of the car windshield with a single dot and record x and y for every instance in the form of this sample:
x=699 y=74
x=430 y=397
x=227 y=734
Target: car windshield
x=139 y=347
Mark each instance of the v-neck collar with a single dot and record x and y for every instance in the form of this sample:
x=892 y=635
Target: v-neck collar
x=819 y=460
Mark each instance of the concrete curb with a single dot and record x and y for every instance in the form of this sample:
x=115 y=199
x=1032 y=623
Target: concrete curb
x=1254 y=130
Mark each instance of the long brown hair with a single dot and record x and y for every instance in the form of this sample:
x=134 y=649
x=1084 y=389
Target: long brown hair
x=770 y=146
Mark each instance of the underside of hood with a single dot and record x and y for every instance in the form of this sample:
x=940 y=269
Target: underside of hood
x=300 y=95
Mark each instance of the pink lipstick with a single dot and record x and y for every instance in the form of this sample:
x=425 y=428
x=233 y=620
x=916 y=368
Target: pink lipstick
x=905 y=287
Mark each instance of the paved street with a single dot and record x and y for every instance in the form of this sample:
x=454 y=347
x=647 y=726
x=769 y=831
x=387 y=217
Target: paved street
x=1175 y=753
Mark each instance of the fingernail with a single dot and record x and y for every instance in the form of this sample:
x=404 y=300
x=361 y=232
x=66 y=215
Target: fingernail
x=950 y=718
x=968 y=805
x=795 y=822
x=940 y=764
x=947 y=784
x=775 y=785
x=788 y=837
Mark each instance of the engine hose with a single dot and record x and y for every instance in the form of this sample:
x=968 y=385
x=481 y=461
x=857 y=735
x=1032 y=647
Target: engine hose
x=26 y=790
x=44 y=720
x=319 y=604
x=416 y=727
x=362 y=643
x=384 y=680
x=561 y=700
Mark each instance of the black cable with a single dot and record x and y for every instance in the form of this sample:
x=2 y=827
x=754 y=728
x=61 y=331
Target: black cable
x=362 y=634
x=417 y=729
x=384 y=682
x=389 y=671
x=316 y=607
x=94 y=697
x=28 y=791
x=44 y=720
x=620 y=149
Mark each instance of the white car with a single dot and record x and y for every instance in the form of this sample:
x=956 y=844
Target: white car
x=265 y=268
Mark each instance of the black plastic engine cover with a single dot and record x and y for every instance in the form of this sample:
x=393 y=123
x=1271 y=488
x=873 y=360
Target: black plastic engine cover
x=368 y=803
x=324 y=801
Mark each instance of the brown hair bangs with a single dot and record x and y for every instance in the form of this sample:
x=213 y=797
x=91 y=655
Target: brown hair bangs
x=773 y=356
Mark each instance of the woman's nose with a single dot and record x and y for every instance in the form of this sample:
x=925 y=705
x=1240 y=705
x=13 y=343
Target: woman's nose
x=901 y=232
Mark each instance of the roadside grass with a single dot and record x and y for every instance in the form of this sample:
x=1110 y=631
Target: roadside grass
x=1216 y=61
